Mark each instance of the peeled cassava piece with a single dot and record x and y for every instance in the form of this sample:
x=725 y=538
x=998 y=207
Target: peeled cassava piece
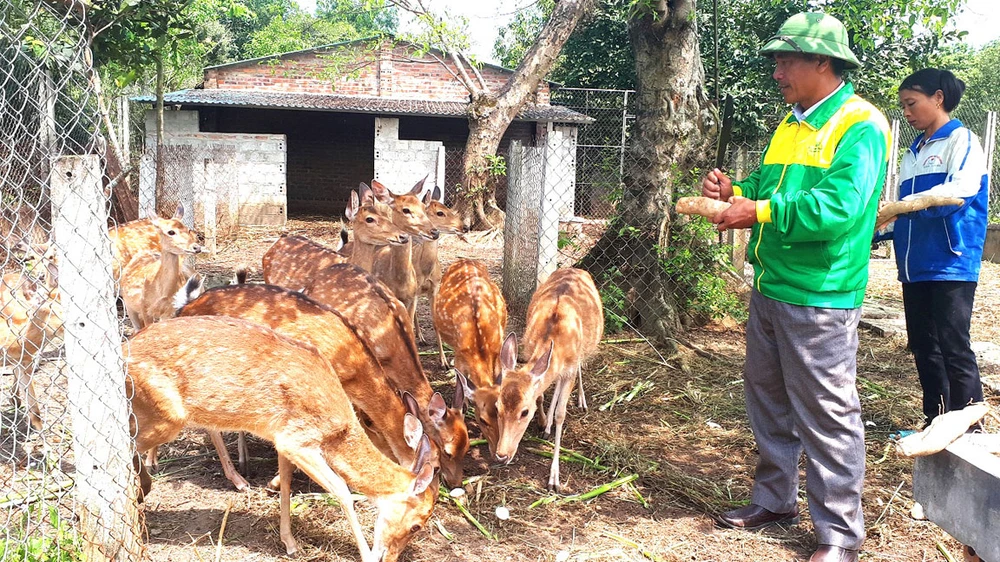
x=890 y=210
x=942 y=431
x=703 y=206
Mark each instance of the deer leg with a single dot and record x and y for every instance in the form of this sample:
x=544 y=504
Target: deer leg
x=285 y=469
x=416 y=325
x=152 y=465
x=241 y=450
x=227 y=463
x=557 y=392
x=26 y=389
x=560 y=418
x=583 y=397
x=311 y=461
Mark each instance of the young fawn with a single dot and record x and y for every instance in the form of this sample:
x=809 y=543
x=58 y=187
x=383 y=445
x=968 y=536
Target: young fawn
x=151 y=279
x=136 y=237
x=426 y=266
x=229 y=374
x=565 y=324
x=384 y=324
x=296 y=316
x=394 y=266
x=31 y=317
x=470 y=315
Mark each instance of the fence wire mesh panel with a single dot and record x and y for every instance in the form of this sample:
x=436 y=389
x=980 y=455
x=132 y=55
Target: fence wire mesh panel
x=67 y=489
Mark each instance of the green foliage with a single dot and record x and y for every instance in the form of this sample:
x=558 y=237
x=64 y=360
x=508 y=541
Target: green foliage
x=613 y=299
x=694 y=262
x=597 y=54
x=496 y=166
x=296 y=32
x=890 y=37
x=367 y=17
x=64 y=546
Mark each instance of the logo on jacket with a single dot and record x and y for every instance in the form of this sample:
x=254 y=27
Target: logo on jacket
x=933 y=160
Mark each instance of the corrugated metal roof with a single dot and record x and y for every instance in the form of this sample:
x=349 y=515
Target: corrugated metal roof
x=352 y=104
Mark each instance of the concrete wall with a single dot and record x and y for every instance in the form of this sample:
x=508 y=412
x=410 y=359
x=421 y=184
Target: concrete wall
x=399 y=164
x=223 y=179
x=328 y=153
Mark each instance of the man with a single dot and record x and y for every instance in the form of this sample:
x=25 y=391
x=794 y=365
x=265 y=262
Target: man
x=812 y=206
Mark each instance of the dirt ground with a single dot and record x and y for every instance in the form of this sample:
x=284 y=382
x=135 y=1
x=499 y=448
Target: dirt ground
x=675 y=422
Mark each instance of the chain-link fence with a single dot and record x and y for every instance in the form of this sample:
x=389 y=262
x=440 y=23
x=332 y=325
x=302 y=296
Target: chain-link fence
x=67 y=490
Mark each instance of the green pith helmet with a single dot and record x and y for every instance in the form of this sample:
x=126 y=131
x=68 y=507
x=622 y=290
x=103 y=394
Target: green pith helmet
x=815 y=33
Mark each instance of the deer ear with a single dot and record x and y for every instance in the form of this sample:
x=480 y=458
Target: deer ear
x=542 y=365
x=419 y=186
x=412 y=430
x=424 y=478
x=428 y=197
x=411 y=404
x=508 y=353
x=462 y=391
x=179 y=212
x=423 y=450
x=381 y=192
x=352 y=206
x=437 y=408
x=436 y=193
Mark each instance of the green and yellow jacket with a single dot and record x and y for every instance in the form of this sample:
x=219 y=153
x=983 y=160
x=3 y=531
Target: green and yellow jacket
x=817 y=191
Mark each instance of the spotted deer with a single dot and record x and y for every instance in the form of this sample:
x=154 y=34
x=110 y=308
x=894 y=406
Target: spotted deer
x=394 y=266
x=565 y=323
x=31 y=317
x=470 y=315
x=136 y=237
x=294 y=260
x=224 y=373
x=150 y=281
x=383 y=322
x=291 y=314
x=426 y=266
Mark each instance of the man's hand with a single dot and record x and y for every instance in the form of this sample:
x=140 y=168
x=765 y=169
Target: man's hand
x=717 y=185
x=741 y=214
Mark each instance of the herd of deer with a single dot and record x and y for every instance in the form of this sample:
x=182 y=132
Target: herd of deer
x=322 y=360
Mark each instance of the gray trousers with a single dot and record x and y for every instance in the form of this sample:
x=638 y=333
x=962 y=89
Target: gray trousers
x=800 y=388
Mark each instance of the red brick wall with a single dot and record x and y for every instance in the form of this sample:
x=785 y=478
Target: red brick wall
x=328 y=153
x=358 y=70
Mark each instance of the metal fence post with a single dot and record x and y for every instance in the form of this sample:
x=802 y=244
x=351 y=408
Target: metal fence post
x=102 y=445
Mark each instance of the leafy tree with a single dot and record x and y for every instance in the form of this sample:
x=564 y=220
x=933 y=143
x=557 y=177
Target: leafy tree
x=490 y=113
x=979 y=70
x=242 y=26
x=891 y=37
x=368 y=18
x=597 y=54
x=295 y=32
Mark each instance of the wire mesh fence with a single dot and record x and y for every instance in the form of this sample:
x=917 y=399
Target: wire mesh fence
x=68 y=490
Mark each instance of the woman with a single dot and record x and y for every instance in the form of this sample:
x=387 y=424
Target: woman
x=938 y=250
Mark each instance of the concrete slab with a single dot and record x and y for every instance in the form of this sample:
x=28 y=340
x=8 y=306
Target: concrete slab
x=960 y=491
x=883 y=319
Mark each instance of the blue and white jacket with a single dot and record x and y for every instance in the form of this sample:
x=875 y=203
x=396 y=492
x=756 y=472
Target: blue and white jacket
x=943 y=243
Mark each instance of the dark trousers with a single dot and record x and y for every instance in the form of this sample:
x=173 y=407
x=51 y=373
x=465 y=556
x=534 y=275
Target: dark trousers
x=938 y=315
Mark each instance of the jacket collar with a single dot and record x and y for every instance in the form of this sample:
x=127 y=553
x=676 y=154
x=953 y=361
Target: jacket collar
x=826 y=109
x=942 y=133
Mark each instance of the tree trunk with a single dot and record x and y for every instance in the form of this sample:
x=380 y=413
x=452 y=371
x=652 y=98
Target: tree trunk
x=489 y=115
x=124 y=205
x=671 y=137
x=161 y=170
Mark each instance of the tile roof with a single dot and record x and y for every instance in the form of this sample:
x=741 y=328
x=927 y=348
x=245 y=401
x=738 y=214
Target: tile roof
x=352 y=104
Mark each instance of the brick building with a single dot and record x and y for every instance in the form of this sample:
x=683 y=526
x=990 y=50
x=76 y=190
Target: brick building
x=296 y=132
